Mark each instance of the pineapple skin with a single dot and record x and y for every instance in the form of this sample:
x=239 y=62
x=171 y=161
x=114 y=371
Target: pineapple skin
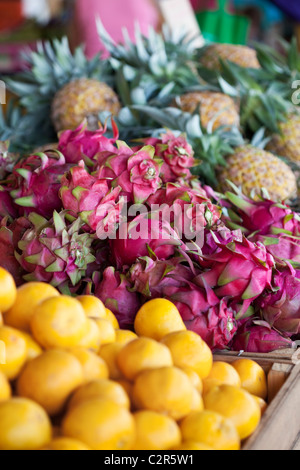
x=252 y=169
x=287 y=143
x=243 y=56
x=216 y=107
x=82 y=99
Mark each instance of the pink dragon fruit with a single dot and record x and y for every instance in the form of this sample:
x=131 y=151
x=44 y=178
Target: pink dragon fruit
x=82 y=144
x=257 y=336
x=35 y=183
x=275 y=225
x=7 y=205
x=84 y=195
x=115 y=292
x=200 y=308
x=177 y=155
x=281 y=308
x=238 y=270
x=189 y=210
x=54 y=251
x=145 y=234
x=138 y=174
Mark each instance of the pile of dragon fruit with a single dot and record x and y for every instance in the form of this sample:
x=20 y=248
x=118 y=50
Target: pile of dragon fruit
x=235 y=281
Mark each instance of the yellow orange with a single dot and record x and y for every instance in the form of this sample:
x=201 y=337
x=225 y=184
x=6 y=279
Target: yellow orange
x=93 y=366
x=193 y=445
x=124 y=336
x=101 y=424
x=59 y=322
x=221 y=373
x=100 y=388
x=24 y=425
x=29 y=295
x=261 y=403
x=156 y=318
x=33 y=348
x=65 y=443
x=109 y=353
x=112 y=318
x=8 y=290
x=235 y=404
x=197 y=401
x=92 y=337
x=5 y=388
x=140 y=354
x=210 y=428
x=253 y=377
x=15 y=351
x=93 y=306
x=167 y=390
x=50 y=379
x=107 y=332
x=189 y=350
x=194 y=378
x=155 y=431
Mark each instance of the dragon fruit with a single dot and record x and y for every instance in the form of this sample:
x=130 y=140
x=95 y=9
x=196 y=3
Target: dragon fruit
x=275 y=225
x=177 y=156
x=240 y=270
x=85 y=196
x=281 y=308
x=188 y=209
x=82 y=144
x=257 y=336
x=35 y=183
x=7 y=205
x=145 y=234
x=137 y=173
x=115 y=292
x=200 y=308
x=7 y=159
x=54 y=251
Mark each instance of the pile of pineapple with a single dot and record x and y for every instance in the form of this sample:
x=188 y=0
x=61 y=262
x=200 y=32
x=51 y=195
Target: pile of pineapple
x=234 y=103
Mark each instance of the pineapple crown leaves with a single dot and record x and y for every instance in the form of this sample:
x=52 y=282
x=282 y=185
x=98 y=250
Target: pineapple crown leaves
x=210 y=146
x=14 y=128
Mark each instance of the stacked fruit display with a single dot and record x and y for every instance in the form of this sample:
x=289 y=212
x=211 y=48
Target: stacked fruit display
x=71 y=379
x=182 y=130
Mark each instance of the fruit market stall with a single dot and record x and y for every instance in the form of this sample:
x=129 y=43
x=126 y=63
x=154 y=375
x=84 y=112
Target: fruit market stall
x=150 y=247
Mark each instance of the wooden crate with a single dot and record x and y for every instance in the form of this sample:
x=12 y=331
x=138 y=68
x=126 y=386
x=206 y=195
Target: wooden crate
x=279 y=428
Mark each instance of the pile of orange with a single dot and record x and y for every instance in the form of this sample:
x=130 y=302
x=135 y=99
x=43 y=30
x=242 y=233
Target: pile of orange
x=73 y=380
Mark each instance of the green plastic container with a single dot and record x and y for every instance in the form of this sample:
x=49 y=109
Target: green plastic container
x=222 y=26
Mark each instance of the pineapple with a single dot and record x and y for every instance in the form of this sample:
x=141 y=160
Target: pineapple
x=216 y=108
x=225 y=155
x=60 y=89
x=286 y=142
x=243 y=56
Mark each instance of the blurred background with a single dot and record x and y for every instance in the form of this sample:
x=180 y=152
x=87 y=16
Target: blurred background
x=23 y=22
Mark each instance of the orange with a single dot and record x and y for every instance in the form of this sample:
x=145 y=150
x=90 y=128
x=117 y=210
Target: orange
x=50 y=378
x=194 y=378
x=124 y=336
x=155 y=431
x=253 y=377
x=126 y=385
x=29 y=295
x=262 y=404
x=101 y=424
x=93 y=306
x=192 y=445
x=197 y=401
x=15 y=351
x=109 y=353
x=1 y=319
x=236 y=404
x=101 y=388
x=112 y=318
x=156 y=318
x=189 y=350
x=59 y=322
x=221 y=373
x=92 y=337
x=107 y=332
x=93 y=366
x=24 y=425
x=8 y=290
x=140 y=354
x=33 y=348
x=167 y=390
x=5 y=389
x=65 y=443
x=210 y=428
